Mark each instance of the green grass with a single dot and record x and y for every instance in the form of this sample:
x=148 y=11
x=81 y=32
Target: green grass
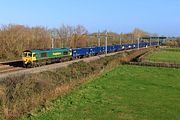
x=163 y=55
x=125 y=93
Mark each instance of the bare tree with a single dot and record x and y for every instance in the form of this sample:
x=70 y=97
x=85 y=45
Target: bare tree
x=16 y=38
x=139 y=33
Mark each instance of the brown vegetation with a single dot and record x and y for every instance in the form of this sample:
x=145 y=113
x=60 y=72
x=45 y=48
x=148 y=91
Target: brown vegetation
x=173 y=42
x=16 y=38
x=134 y=54
x=20 y=95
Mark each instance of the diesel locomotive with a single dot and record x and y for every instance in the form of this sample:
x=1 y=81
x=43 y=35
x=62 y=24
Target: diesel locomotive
x=39 y=57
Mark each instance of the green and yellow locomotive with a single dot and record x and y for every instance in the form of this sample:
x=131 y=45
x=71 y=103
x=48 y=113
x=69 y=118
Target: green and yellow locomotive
x=34 y=58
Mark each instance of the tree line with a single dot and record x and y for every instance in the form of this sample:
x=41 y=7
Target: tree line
x=16 y=38
x=173 y=42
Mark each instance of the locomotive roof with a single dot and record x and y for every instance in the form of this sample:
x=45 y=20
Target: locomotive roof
x=47 y=50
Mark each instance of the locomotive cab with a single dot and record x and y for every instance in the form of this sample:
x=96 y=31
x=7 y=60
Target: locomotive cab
x=28 y=57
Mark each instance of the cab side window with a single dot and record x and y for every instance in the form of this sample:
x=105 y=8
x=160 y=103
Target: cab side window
x=34 y=55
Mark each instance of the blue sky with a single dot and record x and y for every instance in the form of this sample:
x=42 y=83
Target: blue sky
x=155 y=16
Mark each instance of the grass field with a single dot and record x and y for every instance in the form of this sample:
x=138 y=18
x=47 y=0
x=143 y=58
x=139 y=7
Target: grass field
x=127 y=93
x=165 y=55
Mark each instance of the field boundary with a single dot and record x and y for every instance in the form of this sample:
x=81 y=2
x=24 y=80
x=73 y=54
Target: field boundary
x=155 y=64
x=171 y=49
x=144 y=61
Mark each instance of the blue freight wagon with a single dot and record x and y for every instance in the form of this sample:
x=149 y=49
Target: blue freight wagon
x=80 y=52
x=117 y=48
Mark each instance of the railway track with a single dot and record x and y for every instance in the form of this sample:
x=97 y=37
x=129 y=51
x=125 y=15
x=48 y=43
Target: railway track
x=12 y=69
x=8 y=67
x=15 y=68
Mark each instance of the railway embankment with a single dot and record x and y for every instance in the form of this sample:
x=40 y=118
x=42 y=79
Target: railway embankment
x=19 y=95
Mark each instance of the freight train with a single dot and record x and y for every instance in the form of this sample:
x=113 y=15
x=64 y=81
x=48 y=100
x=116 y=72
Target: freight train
x=39 y=57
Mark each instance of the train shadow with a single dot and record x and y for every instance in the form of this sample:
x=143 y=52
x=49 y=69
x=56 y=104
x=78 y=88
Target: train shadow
x=14 y=63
